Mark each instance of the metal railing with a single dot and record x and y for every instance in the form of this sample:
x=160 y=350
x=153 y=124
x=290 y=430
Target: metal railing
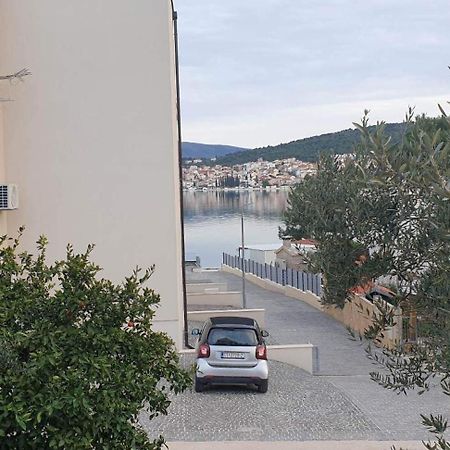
x=304 y=281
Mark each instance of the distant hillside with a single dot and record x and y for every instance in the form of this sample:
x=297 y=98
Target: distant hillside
x=207 y=151
x=308 y=149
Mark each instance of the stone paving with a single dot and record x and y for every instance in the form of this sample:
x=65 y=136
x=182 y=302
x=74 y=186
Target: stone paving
x=296 y=445
x=340 y=403
x=297 y=407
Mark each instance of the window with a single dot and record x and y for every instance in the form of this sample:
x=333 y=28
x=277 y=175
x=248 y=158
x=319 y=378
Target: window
x=232 y=336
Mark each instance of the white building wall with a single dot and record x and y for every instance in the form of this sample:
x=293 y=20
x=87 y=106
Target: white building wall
x=260 y=256
x=269 y=257
x=91 y=137
x=255 y=255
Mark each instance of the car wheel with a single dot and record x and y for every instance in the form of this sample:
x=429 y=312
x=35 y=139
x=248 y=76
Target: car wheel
x=263 y=386
x=198 y=385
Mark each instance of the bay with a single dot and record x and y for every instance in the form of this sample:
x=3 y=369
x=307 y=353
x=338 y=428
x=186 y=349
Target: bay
x=212 y=221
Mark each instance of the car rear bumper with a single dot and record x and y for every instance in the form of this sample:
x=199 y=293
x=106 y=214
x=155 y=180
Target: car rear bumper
x=231 y=375
x=230 y=380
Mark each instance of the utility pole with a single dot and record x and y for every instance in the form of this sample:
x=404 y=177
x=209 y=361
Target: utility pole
x=244 y=300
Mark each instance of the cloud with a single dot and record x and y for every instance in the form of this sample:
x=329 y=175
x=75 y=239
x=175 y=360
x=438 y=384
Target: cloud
x=258 y=61
x=291 y=124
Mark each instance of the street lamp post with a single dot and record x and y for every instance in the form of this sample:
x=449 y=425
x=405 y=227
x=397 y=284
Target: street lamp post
x=244 y=300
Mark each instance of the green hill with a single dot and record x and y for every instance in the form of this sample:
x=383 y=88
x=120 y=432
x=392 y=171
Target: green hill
x=307 y=149
x=196 y=150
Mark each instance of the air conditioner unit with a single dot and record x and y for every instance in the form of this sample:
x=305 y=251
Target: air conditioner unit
x=9 y=196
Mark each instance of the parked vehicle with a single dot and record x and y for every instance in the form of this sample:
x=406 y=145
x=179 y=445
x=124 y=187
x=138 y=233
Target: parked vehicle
x=231 y=350
x=381 y=292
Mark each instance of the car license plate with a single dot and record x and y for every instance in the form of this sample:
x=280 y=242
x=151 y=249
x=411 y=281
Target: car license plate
x=233 y=355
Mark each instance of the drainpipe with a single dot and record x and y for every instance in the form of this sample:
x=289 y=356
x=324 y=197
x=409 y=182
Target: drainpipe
x=180 y=175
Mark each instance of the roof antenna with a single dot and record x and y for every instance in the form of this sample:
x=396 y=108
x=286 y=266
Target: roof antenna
x=14 y=78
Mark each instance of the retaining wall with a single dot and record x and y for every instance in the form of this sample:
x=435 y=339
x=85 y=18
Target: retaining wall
x=358 y=314
x=257 y=314
x=199 y=288
x=215 y=298
x=304 y=356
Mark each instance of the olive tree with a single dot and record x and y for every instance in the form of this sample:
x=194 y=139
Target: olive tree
x=384 y=211
x=78 y=357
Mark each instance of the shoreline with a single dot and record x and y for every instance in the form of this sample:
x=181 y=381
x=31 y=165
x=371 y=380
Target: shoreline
x=238 y=189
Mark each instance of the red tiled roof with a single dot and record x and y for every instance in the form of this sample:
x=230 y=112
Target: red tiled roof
x=362 y=289
x=305 y=242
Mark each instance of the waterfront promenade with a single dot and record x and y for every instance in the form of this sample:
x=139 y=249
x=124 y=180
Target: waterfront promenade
x=339 y=403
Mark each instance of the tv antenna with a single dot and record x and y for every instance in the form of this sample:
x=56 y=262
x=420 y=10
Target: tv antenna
x=14 y=78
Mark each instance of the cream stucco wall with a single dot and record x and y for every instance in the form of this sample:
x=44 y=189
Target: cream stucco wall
x=91 y=138
x=3 y=227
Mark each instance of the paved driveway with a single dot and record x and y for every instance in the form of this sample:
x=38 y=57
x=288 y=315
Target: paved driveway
x=297 y=407
x=340 y=403
x=297 y=445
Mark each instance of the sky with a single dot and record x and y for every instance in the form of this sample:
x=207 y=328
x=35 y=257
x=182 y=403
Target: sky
x=261 y=72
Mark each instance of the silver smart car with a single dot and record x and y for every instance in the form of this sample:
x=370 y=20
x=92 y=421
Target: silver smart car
x=231 y=350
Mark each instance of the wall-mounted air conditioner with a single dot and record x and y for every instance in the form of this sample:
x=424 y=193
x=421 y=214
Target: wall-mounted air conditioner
x=9 y=196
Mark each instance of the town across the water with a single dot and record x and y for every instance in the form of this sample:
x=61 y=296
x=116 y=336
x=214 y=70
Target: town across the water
x=254 y=175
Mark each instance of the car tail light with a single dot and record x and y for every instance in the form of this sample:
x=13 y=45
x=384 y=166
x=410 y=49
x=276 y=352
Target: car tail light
x=261 y=352
x=203 y=351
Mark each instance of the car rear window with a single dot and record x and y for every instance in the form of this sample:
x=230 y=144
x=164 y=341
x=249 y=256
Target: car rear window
x=232 y=336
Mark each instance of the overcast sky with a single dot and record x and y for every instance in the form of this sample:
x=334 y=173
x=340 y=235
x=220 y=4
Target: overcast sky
x=261 y=72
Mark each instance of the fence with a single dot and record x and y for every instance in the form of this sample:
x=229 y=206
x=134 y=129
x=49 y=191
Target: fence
x=303 y=281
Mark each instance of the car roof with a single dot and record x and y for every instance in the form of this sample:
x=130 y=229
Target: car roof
x=233 y=321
